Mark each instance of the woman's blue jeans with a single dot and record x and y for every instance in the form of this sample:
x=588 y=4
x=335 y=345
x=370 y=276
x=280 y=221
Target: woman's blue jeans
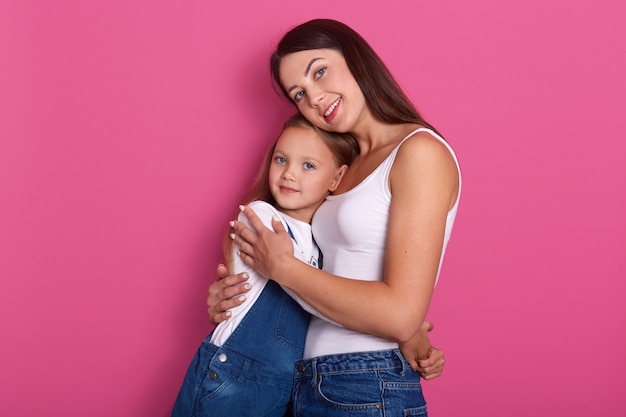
x=252 y=373
x=365 y=384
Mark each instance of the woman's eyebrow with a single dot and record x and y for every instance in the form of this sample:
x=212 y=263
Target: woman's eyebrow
x=308 y=67
x=306 y=72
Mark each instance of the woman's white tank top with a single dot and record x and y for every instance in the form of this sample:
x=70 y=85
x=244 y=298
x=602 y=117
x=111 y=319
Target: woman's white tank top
x=350 y=229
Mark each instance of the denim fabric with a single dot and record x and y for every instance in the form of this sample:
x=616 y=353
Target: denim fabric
x=364 y=384
x=252 y=373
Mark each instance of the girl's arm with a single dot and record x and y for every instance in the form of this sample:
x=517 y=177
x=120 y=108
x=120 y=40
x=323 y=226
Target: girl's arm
x=424 y=183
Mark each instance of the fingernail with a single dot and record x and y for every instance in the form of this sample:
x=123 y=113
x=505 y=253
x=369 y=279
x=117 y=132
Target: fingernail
x=231 y=223
x=246 y=275
x=241 y=208
x=247 y=286
x=275 y=218
x=232 y=236
x=227 y=314
x=242 y=298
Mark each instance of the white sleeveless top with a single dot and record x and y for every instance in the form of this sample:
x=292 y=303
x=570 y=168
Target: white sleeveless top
x=350 y=229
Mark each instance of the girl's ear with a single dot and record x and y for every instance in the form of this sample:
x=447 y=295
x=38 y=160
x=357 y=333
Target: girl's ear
x=338 y=176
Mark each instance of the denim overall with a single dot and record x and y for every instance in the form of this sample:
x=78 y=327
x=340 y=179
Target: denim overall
x=252 y=373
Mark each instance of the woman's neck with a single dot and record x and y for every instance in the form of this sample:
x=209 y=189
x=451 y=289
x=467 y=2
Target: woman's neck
x=376 y=135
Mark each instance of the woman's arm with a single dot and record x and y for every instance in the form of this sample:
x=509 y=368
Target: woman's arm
x=422 y=355
x=424 y=184
x=226 y=291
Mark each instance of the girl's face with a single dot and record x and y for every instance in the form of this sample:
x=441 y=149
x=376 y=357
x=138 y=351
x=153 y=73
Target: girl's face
x=321 y=85
x=302 y=172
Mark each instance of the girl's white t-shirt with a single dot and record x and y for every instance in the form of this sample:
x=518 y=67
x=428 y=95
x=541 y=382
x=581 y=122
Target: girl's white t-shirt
x=304 y=248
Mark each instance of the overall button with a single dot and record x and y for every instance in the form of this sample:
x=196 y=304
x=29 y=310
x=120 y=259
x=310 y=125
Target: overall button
x=213 y=376
x=222 y=357
x=300 y=367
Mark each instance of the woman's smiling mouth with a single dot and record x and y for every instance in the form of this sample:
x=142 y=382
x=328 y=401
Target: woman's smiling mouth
x=332 y=108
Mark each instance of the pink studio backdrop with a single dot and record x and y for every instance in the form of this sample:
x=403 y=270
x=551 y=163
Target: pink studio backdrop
x=129 y=129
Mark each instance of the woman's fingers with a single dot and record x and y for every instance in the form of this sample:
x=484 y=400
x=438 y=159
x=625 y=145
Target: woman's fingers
x=220 y=310
x=254 y=220
x=225 y=293
x=243 y=237
x=432 y=367
x=243 y=234
x=245 y=246
x=247 y=234
x=428 y=326
x=222 y=272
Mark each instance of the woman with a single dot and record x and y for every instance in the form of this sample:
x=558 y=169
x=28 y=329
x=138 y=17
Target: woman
x=383 y=233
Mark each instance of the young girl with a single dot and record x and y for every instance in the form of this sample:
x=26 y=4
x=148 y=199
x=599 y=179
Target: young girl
x=245 y=366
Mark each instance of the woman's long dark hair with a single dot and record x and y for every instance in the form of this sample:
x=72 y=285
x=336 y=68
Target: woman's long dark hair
x=383 y=95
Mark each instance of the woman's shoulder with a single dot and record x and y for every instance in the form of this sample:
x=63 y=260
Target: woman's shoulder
x=425 y=169
x=423 y=154
x=424 y=143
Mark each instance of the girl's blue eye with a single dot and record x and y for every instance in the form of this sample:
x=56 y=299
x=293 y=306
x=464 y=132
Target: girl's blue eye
x=298 y=96
x=308 y=166
x=280 y=159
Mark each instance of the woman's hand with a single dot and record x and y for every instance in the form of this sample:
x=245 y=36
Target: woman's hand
x=421 y=354
x=226 y=292
x=432 y=367
x=264 y=250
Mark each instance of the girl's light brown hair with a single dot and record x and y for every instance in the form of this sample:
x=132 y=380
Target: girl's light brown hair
x=342 y=145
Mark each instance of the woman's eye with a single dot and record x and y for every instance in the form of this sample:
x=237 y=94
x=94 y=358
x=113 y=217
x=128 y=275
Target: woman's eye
x=308 y=166
x=320 y=72
x=298 y=96
x=280 y=160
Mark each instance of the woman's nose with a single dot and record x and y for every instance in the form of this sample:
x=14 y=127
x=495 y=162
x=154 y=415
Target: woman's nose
x=315 y=97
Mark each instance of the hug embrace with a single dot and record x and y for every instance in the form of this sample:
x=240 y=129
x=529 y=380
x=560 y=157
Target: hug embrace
x=332 y=262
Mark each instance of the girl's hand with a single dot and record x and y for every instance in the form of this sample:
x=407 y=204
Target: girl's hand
x=264 y=250
x=226 y=292
x=421 y=355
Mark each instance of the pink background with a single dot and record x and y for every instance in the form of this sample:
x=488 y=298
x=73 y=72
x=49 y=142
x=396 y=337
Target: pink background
x=130 y=128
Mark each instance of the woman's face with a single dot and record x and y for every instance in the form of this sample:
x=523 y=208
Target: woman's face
x=321 y=85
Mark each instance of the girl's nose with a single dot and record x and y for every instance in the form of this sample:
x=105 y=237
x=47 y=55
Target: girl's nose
x=287 y=174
